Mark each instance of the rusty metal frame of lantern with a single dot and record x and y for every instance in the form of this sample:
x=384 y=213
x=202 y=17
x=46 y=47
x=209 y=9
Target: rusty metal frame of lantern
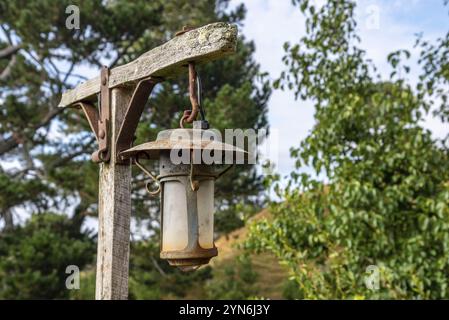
x=186 y=192
x=186 y=184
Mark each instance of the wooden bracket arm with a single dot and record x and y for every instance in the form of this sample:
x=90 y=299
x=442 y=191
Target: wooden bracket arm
x=126 y=135
x=91 y=114
x=99 y=121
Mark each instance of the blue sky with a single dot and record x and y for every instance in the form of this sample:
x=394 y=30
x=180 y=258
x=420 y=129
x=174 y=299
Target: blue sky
x=269 y=23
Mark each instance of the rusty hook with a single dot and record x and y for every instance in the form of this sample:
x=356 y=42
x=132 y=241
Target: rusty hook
x=190 y=115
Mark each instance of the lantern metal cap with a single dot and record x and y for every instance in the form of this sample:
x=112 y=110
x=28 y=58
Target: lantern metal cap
x=184 y=139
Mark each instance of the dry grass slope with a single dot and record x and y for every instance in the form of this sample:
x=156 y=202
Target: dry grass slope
x=271 y=276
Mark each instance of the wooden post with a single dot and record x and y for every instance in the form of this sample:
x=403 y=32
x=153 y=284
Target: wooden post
x=200 y=45
x=114 y=213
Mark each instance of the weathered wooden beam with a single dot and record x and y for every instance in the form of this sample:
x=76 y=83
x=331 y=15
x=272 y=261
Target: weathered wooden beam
x=203 y=44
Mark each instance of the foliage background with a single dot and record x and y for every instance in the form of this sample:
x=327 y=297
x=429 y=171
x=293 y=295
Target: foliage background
x=385 y=201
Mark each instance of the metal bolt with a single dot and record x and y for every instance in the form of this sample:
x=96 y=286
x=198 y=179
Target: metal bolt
x=184 y=30
x=101 y=134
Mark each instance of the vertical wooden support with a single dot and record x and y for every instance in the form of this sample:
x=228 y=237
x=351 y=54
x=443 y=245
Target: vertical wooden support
x=114 y=211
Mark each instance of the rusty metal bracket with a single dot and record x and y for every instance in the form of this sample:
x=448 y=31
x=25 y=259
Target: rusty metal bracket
x=103 y=154
x=99 y=119
x=91 y=114
x=125 y=137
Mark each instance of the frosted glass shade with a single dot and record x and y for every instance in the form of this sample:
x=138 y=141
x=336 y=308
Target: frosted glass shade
x=205 y=205
x=175 y=216
x=174 y=220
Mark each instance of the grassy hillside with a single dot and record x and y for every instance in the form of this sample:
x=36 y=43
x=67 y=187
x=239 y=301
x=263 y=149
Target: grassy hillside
x=270 y=278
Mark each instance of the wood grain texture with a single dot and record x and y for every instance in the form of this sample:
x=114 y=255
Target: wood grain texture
x=203 y=44
x=114 y=212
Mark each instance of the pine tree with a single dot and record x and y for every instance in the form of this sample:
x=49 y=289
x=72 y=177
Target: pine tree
x=45 y=151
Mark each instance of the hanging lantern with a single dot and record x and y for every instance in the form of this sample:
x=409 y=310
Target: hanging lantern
x=190 y=160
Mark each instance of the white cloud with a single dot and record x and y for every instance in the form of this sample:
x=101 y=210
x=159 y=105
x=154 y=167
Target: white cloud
x=270 y=24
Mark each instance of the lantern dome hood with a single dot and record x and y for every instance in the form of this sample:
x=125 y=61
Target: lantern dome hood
x=185 y=139
x=186 y=189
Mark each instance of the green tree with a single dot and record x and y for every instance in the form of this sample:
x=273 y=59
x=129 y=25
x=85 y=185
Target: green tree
x=386 y=198
x=35 y=257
